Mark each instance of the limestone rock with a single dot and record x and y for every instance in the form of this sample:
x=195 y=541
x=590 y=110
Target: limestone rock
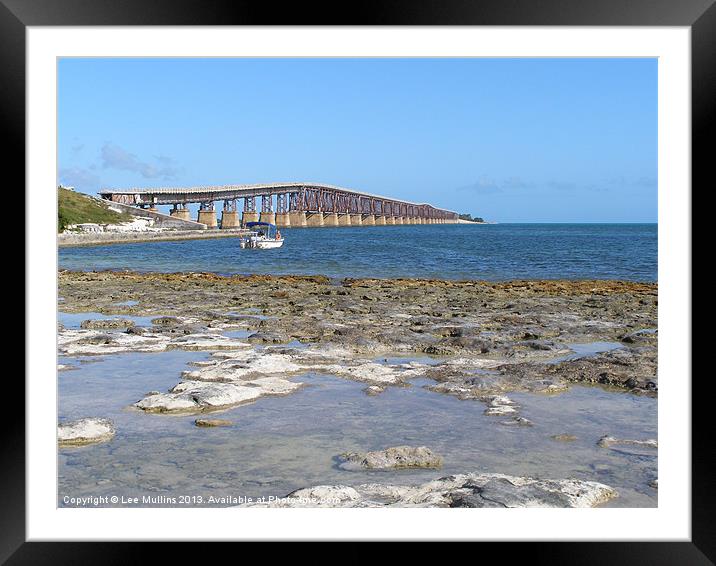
x=609 y=441
x=374 y=390
x=517 y=421
x=85 y=431
x=106 y=323
x=192 y=396
x=644 y=448
x=464 y=490
x=212 y=422
x=392 y=458
x=563 y=437
x=499 y=405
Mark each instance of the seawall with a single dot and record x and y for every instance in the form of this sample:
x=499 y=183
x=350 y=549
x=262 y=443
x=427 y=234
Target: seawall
x=68 y=239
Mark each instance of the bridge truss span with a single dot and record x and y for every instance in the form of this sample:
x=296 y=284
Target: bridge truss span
x=296 y=204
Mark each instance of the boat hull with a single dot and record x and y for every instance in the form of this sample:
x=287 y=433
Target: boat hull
x=268 y=244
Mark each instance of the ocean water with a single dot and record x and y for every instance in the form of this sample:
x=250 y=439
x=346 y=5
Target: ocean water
x=489 y=252
x=279 y=444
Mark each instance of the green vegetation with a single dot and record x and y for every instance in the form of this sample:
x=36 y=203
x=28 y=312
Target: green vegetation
x=78 y=208
x=469 y=218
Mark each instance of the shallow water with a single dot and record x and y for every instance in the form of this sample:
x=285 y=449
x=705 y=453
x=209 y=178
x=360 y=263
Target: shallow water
x=279 y=444
x=442 y=251
x=586 y=350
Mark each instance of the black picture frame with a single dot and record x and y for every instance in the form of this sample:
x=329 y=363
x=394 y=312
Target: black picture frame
x=699 y=15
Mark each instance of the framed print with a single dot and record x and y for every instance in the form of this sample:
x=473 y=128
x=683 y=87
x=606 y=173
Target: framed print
x=422 y=275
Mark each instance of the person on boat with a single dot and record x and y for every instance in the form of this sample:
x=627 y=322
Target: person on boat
x=278 y=234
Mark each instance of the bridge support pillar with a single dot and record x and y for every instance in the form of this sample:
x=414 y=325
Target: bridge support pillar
x=297 y=219
x=230 y=219
x=283 y=220
x=330 y=219
x=314 y=219
x=269 y=217
x=180 y=213
x=380 y=220
x=248 y=216
x=368 y=220
x=344 y=219
x=207 y=217
x=390 y=220
x=399 y=220
x=356 y=219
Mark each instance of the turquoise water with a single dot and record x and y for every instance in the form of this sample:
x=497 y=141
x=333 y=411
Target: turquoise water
x=492 y=252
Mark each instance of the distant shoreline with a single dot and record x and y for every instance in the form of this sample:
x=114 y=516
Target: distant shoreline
x=461 y=221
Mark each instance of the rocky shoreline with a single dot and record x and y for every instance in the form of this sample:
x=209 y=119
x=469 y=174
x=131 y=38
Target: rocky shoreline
x=477 y=341
x=484 y=338
x=462 y=490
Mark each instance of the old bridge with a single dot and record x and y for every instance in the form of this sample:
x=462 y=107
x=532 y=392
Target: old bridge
x=284 y=204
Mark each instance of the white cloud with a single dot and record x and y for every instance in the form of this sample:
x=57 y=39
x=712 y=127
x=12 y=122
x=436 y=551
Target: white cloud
x=114 y=157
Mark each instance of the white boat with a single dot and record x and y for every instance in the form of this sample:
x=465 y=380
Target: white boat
x=264 y=243
x=266 y=236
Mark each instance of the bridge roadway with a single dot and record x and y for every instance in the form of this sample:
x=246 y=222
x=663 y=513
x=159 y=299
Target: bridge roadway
x=296 y=204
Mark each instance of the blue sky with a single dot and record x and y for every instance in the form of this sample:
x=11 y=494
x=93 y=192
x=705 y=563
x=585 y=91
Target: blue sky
x=511 y=140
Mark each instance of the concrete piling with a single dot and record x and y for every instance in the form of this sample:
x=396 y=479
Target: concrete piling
x=269 y=217
x=207 y=217
x=230 y=219
x=283 y=220
x=181 y=213
x=330 y=219
x=249 y=217
x=298 y=219
x=314 y=219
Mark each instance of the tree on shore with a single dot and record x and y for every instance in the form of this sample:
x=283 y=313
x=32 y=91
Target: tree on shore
x=469 y=218
x=78 y=208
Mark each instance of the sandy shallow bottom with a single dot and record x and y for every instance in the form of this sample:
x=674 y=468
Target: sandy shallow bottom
x=279 y=444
